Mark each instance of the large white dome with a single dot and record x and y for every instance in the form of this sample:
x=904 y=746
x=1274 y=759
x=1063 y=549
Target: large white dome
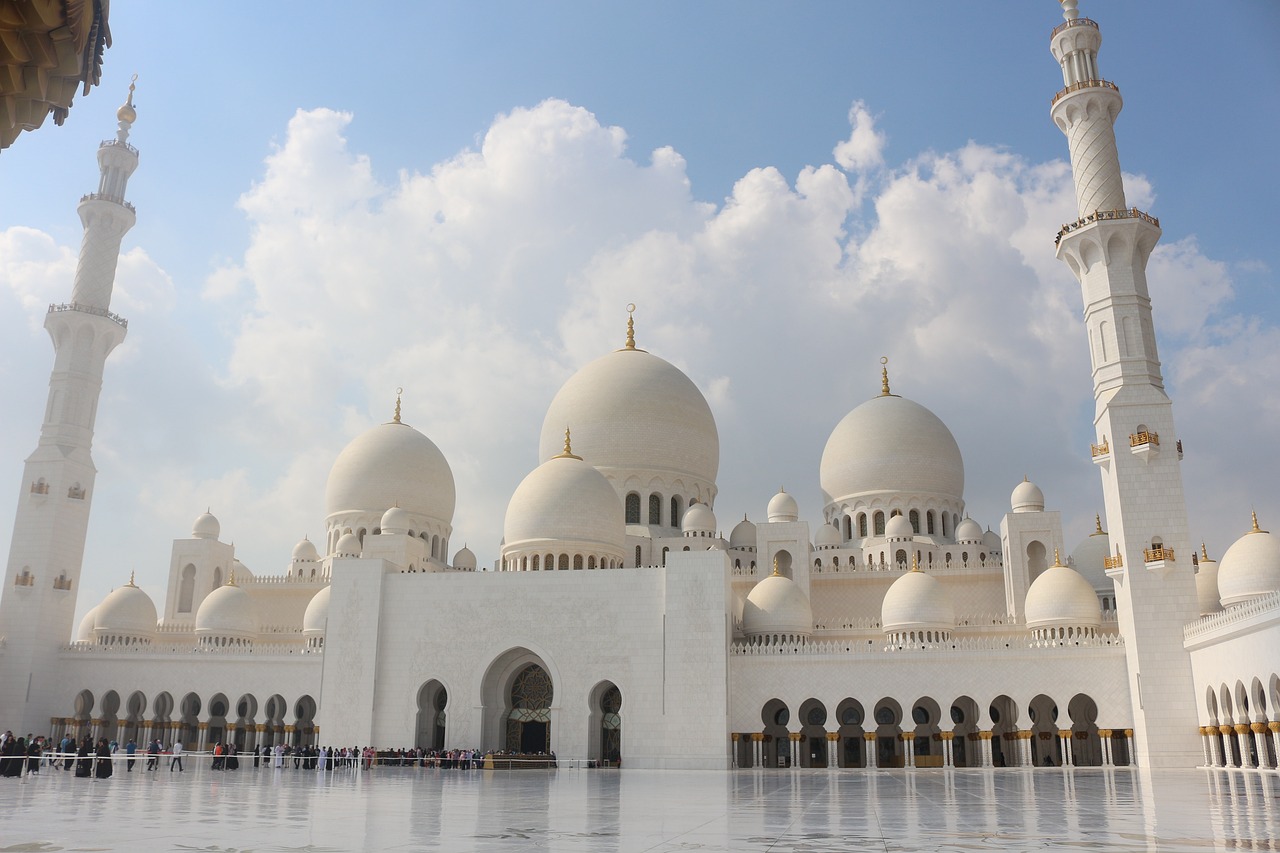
x=127 y=611
x=917 y=601
x=1250 y=568
x=317 y=615
x=631 y=411
x=564 y=499
x=391 y=465
x=1061 y=598
x=226 y=612
x=891 y=444
x=777 y=605
x=1087 y=558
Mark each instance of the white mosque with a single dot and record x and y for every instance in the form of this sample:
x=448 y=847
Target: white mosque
x=893 y=631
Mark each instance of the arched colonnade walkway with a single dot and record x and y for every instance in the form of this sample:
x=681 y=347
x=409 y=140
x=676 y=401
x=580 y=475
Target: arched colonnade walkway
x=885 y=734
x=1244 y=724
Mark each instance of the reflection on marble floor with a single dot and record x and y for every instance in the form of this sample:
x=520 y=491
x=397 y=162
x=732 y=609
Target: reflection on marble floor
x=779 y=811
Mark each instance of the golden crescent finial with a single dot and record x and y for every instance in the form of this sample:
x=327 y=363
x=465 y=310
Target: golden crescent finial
x=884 y=377
x=1256 y=528
x=567 y=453
x=631 y=325
x=396 y=417
x=1097 y=521
x=131 y=583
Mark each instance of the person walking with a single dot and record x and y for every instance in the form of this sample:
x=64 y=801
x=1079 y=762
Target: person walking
x=153 y=754
x=130 y=749
x=176 y=761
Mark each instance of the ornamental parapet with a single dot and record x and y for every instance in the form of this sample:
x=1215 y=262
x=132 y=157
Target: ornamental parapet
x=1074 y=22
x=1105 y=216
x=1096 y=450
x=1257 y=608
x=1116 y=562
x=1157 y=555
x=156 y=650
x=1084 y=84
x=90 y=309
x=116 y=143
x=1012 y=644
x=114 y=199
x=1139 y=439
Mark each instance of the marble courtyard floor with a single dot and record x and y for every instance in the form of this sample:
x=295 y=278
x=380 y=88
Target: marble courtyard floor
x=639 y=810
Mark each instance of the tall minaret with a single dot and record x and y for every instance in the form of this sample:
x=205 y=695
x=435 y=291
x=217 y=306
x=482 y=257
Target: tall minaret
x=1137 y=449
x=42 y=579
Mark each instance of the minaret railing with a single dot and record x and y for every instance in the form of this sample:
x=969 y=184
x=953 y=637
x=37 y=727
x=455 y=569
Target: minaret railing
x=1074 y=22
x=1142 y=439
x=1105 y=216
x=104 y=197
x=116 y=143
x=1083 y=84
x=90 y=309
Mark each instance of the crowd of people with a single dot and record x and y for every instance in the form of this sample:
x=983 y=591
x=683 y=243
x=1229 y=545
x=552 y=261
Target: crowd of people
x=91 y=759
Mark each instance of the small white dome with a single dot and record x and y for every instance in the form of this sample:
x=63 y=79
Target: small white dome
x=991 y=541
x=464 y=559
x=1207 y=594
x=968 y=530
x=783 y=507
x=698 y=518
x=226 y=612
x=565 y=500
x=317 y=615
x=1027 y=497
x=899 y=527
x=743 y=534
x=395 y=520
x=305 y=552
x=917 y=601
x=84 y=634
x=1061 y=598
x=206 y=527
x=242 y=571
x=1087 y=557
x=1250 y=568
x=828 y=536
x=777 y=605
x=126 y=611
x=348 y=545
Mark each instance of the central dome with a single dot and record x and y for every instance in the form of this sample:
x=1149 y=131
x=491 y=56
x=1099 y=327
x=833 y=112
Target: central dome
x=631 y=411
x=391 y=465
x=564 y=500
x=891 y=444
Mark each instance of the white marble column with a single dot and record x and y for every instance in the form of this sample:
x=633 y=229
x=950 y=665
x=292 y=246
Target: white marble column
x=869 y=740
x=948 y=745
x=984 y=739
x=833 y=750
x=1104 y=737
x=1064 y=735
x=1215 y=748
x=909 y=750
x=1275 y=741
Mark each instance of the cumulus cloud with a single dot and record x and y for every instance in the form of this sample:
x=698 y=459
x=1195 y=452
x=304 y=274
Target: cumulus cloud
x=482 y=281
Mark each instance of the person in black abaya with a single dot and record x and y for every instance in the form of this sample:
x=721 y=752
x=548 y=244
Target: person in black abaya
x=84 y=760
x=34 y=750
x=12 y=757
x=103 y=770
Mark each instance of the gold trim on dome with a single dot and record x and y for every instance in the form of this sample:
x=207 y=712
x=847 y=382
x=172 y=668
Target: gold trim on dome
x=631 y=330
x=1204 y=553
x=1057 y=560
x=567 y=453
x=1256 y=529
x=1097 y=520
x=884 y=377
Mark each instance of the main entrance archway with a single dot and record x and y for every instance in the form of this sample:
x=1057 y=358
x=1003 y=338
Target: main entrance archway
x=519 y=711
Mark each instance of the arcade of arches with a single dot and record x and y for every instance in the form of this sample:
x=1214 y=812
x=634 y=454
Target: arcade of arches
x=195 y=721
x=885 y=734
x=1244 y=724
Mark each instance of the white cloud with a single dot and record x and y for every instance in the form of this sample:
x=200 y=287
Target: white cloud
x=481 y=283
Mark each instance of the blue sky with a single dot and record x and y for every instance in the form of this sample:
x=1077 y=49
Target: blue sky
x=249 y=365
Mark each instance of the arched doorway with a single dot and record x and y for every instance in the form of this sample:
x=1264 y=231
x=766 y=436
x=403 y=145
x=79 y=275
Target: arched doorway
x=432 y=700
x=84 y=712
x=606 y=724
x=304 y=726
x=850 y=716
x=776 y=748
x=246 y=729
x=161 y=712
x=888 y=719
x=1086 y=746
x=966 y=746
x=189 y=722
x=135 y=709
x=216 y=726
x=529 y=711
x=1004 y=732
x=273 y=731
x=926 y=715
x=813 y=733
x=110 y=716
x=1046 y=746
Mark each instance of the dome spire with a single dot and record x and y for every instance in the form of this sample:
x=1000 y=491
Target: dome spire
x=395 y=419
x=131 y=583
x=1204 y=552
x=884 y=377
x=567 y=453
x=915 y=562
x=1057 y=559
x=1097 y=521
x=631 y=329
x=1256 y=529
x=776 y=573
x=127 y=115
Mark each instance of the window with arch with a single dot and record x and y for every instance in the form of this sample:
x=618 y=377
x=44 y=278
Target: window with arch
x=915 y=521
x=564 y=562
x=633 y=508
x=677 y=513
x=186 y=588
x=928 y=521
x=900 y=557
x=943 y=518
x=655 y=509
x=879 y=522
x=664 y=555
x=862 y=525
x=535 y=563
x=577 y=561
x=638 y=557
x=591 y=562
x=217 y=577
x=848 y=528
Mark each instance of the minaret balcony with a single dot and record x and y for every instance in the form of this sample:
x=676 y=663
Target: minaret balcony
x=1101 y=453
x=1105 y=216
x=1073 y=22
x=1081 y=85
x=111 y=198
x=1157 y=559
x=90 y=309
x=1144 y=444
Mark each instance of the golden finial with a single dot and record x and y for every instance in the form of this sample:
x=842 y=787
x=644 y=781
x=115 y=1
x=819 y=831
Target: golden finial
x=631 y=325
x=131 y=583
x=1057 y=559
x=396 y=418
x=127 y=114
x=1256 y=529
x=231 y=576
x=1204 y=552
x=1097 y=523
x=776 y=573
x=567 y=453
x=915 y=562
x=884 y=377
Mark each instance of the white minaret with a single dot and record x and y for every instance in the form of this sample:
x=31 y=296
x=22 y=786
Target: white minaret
x=1137 y=449
x=42 y=579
